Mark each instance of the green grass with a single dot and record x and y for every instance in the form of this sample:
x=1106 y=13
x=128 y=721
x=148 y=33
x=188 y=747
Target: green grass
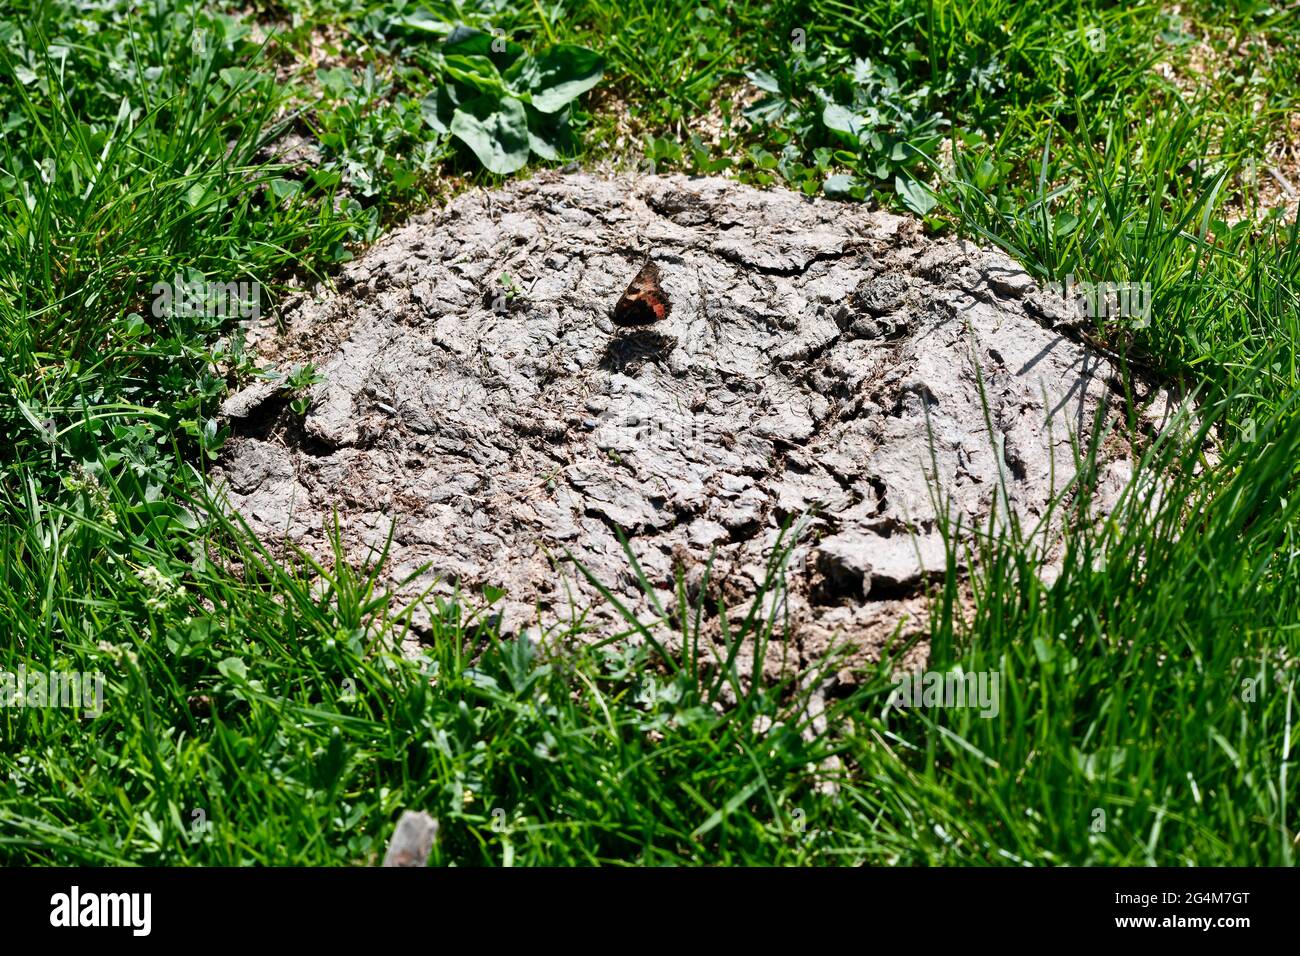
x=1148 y=710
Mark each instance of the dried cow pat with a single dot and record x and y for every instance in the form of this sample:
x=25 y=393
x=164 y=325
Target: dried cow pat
x=826 y=361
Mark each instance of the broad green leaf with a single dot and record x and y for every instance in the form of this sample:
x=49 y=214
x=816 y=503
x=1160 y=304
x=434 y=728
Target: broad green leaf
x=495 y=128
x=476 y=71
x=195 y=195
x=764 y=81
x=838 y=187
x=548 y=135
x=558 y=76
x=915 y=196
x=239 y=78
x=767 y=110
x=283 y=188
x=438 y=108
x=841 y=119
x=423 y=22
x=233 y=668
x=467 y=42
x=325 y=178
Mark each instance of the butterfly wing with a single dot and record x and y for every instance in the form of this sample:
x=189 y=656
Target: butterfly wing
x=644 y=302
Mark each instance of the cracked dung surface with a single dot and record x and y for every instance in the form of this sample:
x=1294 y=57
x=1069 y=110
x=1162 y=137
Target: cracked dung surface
x=500 y=425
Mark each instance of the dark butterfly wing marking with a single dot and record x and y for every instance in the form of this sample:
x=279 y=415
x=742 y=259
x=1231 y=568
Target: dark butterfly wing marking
x=644 y=302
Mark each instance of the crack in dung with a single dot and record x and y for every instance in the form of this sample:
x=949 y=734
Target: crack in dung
x=787 y=272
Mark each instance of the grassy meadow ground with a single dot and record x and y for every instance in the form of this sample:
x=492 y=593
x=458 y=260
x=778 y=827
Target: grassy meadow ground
x=1149 y=712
